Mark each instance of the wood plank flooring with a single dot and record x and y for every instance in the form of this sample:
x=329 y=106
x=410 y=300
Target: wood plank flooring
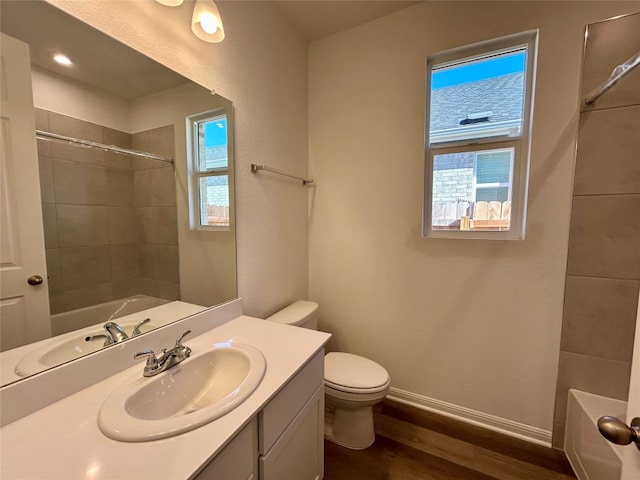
x=413 y=444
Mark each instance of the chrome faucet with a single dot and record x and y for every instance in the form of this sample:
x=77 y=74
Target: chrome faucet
x=136 y=329
x=168 y=359
x=114 y=334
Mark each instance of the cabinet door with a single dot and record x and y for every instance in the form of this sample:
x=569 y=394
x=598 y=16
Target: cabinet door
x=236 y=461
x=299 y=452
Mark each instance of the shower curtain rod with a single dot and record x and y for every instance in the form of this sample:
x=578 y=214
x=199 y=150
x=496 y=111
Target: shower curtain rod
x=618 y=73
x=54 y=137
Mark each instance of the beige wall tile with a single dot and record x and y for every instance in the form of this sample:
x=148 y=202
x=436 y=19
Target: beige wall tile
x=125 y=262
x=80 y=184
x=164 y=226
x=145 y=224
x=50 y=224
x=123 y=225
x=608 y=159
x=44 y=147
x=90 y=156
x=42 y=119
x=53 y=270
x=148 y=261
x=120 y=139
x=85 y=266
x=116 y=137
x=77 y=298
x=128 y=287
x=604 y=238
x=609 y=378
x=163 y=187
x=168 y=291
x=120 y=186
x=73 y=127
x=142 y=188
x=45 y=170
x=611 y=43
x=82 y=225
x=80 y=129
x=161 y=141
x=600 y=317
x=167 y=264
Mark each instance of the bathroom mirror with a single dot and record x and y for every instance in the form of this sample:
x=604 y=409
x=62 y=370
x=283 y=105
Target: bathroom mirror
x=116 y=225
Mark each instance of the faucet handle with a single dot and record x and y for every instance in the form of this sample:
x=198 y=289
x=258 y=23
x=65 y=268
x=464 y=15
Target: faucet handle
x=136 y=330
x=152 y=361
x=179 y=340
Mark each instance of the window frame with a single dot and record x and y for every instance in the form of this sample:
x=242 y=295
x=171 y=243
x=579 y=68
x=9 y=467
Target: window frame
x=195 y=174
x=521 y=143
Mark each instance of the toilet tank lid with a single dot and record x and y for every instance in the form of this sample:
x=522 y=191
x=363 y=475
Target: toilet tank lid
x=298 y=313
x=353 y=371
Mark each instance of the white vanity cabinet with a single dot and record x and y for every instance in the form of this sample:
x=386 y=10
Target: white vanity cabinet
x=291 y=427
x=285 y=441
x=238 y=460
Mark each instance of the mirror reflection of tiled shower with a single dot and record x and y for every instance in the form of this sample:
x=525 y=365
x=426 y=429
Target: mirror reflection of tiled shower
x=109 y=219
x=603 y=267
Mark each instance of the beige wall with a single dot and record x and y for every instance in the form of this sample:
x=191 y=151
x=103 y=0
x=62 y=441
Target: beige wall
x=262 y=68
x=472 y=326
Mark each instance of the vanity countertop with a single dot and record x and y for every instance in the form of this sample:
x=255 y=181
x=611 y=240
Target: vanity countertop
x=63 y=441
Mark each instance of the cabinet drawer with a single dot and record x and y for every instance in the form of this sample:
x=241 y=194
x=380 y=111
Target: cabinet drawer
x=238 y=460
x=281 y=410
x=299 y=452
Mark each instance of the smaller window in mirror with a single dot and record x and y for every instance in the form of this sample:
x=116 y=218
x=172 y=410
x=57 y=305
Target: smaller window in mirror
x=208 y=158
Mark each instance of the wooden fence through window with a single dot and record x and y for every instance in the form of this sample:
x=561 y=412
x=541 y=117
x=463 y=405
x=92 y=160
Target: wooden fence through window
x=476 y=216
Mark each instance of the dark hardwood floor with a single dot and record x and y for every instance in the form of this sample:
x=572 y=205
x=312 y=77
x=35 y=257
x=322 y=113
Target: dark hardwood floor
x=413 y=444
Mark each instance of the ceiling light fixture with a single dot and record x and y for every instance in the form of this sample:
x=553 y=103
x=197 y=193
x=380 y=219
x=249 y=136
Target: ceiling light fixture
x=206 y=23
x=62 y=59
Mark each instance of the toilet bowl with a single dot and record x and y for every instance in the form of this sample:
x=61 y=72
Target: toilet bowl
x=352 y=384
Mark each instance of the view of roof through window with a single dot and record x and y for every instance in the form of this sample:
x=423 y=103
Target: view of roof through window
x=478 y=98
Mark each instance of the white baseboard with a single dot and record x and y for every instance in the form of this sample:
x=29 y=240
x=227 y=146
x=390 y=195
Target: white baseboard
x=480 y=419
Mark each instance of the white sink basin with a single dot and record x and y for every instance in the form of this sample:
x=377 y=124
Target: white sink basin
x=186 y=396
x=68 y=347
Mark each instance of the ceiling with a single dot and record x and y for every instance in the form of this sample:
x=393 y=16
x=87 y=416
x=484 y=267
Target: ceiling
x=117 y=69
x=315 y=19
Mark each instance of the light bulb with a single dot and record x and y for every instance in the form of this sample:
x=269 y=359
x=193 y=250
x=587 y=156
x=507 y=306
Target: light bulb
x=62 y=59
x=208 y=23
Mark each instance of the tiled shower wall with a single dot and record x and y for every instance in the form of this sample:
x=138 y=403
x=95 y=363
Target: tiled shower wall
x=603 y=269
x=109 y=219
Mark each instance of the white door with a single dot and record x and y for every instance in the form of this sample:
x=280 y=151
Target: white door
x=631 y=457
x=24 y=299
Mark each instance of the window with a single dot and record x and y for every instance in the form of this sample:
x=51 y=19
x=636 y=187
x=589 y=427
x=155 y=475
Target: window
x=478 y=122
x=209 y=170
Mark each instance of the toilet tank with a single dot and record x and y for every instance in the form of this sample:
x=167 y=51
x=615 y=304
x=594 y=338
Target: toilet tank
x=299 y=314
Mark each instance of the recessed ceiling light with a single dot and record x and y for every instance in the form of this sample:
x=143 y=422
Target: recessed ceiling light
x=62 y=59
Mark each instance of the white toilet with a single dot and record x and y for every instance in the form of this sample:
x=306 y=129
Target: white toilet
x=353 y=384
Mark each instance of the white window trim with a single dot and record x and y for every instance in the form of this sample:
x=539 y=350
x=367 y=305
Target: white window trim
x=452 y=142
x=194 y=175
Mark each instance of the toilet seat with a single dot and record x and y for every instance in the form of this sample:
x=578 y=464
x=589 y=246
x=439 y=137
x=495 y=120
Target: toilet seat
x=354 y=374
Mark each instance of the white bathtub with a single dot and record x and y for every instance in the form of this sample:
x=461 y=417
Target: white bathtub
x=590 y=454
x=101 y=313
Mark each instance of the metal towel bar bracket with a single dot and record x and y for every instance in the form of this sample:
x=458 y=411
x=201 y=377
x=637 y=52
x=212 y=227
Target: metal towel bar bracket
x=255 y=168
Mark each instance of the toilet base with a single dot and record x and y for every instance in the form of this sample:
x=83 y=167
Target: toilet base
x=350 y=428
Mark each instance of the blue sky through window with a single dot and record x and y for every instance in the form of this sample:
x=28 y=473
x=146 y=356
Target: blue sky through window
x=478 y=70
x=215 y=132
